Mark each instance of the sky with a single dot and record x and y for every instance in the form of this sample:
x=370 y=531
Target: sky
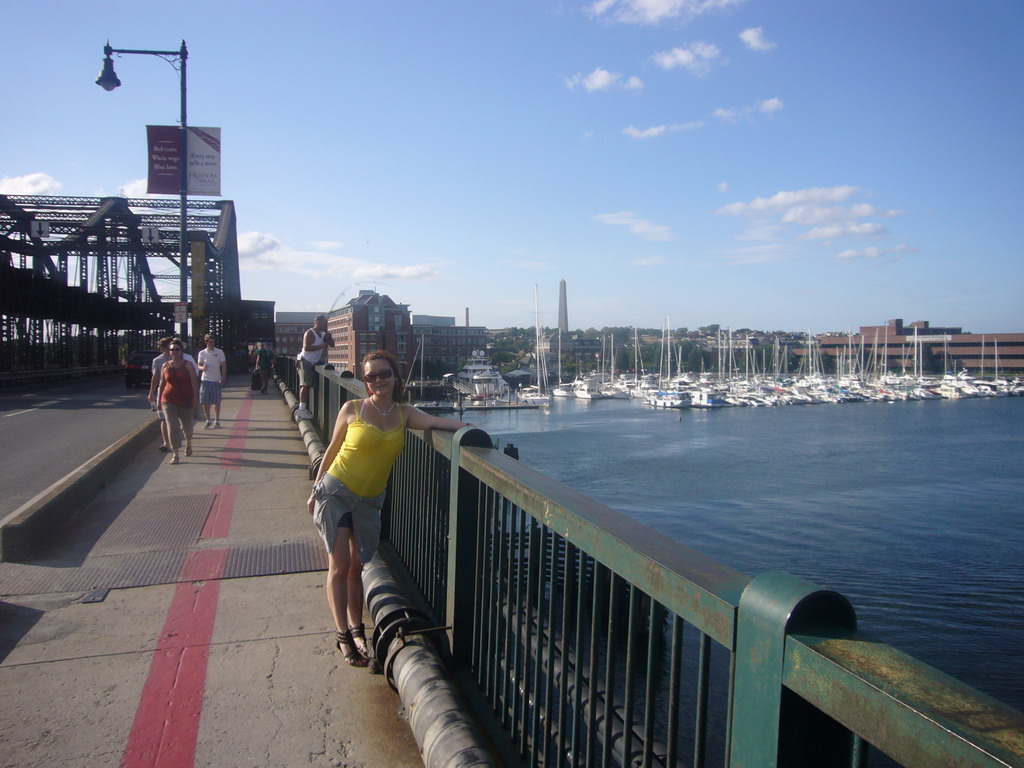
x=771 y=164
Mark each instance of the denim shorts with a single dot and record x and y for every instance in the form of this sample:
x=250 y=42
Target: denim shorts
x=209 y=392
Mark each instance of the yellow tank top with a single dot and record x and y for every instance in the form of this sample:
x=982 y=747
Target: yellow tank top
x=366 y=456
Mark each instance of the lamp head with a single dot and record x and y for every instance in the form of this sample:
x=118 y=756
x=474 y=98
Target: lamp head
x=107 y=79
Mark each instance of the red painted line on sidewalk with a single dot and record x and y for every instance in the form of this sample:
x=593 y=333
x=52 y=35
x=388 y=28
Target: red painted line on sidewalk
x=232 y=455
x=166 y=725
x=218 y=522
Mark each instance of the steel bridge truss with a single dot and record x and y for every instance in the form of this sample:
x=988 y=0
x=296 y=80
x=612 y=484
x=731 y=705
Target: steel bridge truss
x=84 y=279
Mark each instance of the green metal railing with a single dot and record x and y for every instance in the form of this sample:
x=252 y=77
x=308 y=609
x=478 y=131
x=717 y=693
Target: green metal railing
x=585 y=638
x=592 y=640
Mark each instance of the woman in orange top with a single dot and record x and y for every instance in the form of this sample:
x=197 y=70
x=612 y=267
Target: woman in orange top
x=349 y=490
x=179 y=398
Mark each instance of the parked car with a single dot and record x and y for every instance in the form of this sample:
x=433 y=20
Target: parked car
x=137 y=371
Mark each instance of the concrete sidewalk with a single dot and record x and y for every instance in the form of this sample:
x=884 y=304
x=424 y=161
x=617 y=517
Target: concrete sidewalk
x=207 y=640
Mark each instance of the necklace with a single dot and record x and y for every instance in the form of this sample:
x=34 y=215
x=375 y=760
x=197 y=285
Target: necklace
x=382 y=413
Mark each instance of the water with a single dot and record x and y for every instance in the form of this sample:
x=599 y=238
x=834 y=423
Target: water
x=913 y=510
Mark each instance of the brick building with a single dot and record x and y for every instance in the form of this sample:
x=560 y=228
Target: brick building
x=949 y=348
x=446 y=346
x=367 y=322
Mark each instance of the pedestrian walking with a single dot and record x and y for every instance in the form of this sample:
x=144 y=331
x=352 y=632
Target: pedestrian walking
x=179 y=397
x=347 y=494
x=154 y=386
x=265 y=365
x=214 y=367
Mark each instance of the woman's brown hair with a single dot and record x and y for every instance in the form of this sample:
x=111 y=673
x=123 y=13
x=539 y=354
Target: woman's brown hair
x=382 y=354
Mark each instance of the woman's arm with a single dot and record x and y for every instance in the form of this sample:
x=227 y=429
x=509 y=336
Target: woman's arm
x=417 y=419
x=163 y=383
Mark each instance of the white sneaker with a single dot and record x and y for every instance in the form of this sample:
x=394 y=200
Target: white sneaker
x=208 y=424
x=303 y=411
x=216 y=425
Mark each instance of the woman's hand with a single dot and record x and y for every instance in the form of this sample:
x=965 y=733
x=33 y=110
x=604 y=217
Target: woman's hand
x=311 y=504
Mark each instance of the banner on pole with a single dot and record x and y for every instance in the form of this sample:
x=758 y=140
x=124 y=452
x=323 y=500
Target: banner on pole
x=164 y=143
x=203 y=161
x=203 y=153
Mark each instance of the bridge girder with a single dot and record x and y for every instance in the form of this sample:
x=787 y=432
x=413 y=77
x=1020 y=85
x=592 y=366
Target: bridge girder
x=77 y=281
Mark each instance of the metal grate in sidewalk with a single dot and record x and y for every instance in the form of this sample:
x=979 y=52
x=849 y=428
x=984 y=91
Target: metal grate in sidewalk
x=145 y=545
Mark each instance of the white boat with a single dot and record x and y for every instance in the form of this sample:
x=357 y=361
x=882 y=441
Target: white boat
x=479 y=379
x=668 y=400
x=534 y=395
x=706 y=398
x=588 y=389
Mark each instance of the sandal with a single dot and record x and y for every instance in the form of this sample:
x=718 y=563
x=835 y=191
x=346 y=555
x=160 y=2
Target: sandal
x=188 y=450
x=174 y=460
x=352 y=654
x=359 y=639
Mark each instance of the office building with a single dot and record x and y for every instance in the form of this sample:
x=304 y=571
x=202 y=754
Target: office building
x=367 y=322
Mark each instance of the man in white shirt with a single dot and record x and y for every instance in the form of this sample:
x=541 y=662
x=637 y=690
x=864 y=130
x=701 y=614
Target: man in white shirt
x=315 y=342
x=214 y=368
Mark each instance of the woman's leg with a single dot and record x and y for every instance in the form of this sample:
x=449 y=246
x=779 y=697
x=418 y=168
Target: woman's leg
x=356 y=599
x=338 y=568
x=188 y=420
x=355 y=585
x=173 y=428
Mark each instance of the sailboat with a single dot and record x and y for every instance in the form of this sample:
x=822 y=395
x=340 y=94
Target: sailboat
x=538 y=394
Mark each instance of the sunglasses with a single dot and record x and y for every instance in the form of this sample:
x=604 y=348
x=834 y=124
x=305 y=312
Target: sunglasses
x=382 y=376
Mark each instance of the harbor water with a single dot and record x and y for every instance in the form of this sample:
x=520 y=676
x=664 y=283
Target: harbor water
x=913 y=510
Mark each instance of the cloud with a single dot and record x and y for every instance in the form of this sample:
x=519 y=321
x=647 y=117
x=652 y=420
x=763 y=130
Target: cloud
x=603 y=80
x=820 y=214
x=754 y=39
x=698 y=59
x=873 y=253
x=781 y=202
x=327 y=245
x=645 y=229
x=259 y=251
x=134 y=188
x=831 y=231
x=655 y=11
x=30 y=184
x=824 y=213
x=723 y=186
x=735 y=114
x=658 y=130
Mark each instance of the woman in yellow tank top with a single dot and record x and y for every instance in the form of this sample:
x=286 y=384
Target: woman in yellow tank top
x=349 y=489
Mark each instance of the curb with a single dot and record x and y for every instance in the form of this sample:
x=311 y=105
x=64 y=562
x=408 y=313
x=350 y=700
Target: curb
x=28 y=527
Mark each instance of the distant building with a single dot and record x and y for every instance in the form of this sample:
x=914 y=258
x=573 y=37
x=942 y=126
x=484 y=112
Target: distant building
x=288 y=330
x=899 y=345
x=445 y=345
x=369 y=321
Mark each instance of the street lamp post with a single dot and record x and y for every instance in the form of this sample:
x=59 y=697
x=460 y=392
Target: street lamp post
x=108 y=81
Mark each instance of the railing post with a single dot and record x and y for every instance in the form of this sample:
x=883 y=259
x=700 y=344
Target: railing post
x=463 y=520
x=771 y=726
